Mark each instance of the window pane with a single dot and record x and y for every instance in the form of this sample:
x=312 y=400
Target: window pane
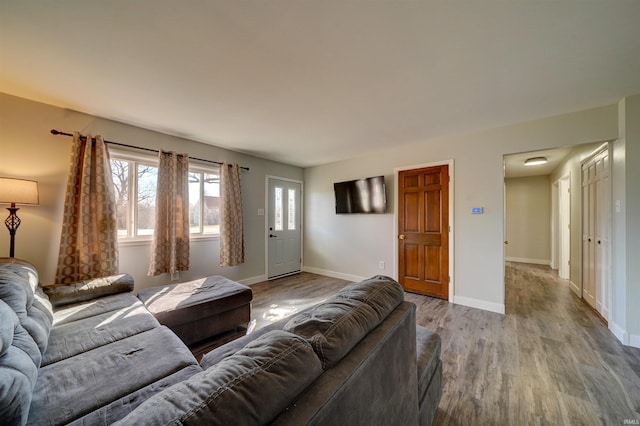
x=278 y=209
x=147 y=182
x=120 y=177
x=291 y=223
x=211 y=213
x=194 y=202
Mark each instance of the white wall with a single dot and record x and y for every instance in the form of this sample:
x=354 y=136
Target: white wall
x=353 y=245
x=28 y=150
x=632 y=200
x=625 y=321
x=528 y=225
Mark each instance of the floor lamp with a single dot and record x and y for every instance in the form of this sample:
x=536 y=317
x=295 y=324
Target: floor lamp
x=16 y=191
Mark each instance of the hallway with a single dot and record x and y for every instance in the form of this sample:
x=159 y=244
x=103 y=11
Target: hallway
x=548 y=360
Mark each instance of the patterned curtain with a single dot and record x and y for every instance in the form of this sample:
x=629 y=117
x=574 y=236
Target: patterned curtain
x=231 y=233
x=89 y=228
x=170 y=250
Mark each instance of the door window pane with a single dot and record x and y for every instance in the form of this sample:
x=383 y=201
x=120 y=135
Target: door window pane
x=278 y=225
x=291 y=222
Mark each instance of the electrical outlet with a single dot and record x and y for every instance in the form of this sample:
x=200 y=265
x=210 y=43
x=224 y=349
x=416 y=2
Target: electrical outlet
x=381 y=264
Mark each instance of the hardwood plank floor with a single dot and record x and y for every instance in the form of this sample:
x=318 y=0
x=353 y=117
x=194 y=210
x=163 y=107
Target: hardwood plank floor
x=548 y=360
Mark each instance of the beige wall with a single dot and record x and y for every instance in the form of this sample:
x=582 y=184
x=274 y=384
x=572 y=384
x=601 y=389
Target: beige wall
x=528 y=224
x=353 y=245
x=28 y=150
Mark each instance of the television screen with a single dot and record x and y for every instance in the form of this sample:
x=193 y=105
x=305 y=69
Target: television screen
x=361 y=196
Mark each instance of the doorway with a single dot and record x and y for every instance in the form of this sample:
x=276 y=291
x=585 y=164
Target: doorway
x=423 y=230
x=284 y=227
x=577 y=196
x=564 y=227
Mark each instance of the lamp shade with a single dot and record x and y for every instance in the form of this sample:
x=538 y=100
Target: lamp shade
x=18 y=191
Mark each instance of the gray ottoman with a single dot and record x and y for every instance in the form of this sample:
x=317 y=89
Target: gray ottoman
x=200 y=310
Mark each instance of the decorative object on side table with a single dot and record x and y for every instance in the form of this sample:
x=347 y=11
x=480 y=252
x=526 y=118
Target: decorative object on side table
x=16 y=191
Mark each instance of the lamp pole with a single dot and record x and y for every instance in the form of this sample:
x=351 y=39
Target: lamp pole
x=12 y=222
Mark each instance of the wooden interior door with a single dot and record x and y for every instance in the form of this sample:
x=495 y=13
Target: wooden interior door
x=423 y=231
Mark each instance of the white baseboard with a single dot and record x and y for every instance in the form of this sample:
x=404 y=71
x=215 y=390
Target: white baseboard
x=574 y=287
x=620 y=333
x=634 y=340
x=332 y=274
x=545 y=262
x=479 y=304
x=254 y=280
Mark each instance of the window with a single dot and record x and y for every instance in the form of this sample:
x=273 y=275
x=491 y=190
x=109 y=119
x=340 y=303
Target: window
x=135 y=180
x=291 y=225
x=204 y=202
x=278 y=220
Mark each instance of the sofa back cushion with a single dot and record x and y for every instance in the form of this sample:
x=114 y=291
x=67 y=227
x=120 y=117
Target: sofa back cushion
x=250 y=387
x=334 y=327
x=19 y=289
x=18 y=370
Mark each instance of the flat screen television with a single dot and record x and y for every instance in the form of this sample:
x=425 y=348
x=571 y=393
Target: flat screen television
x=361 y=196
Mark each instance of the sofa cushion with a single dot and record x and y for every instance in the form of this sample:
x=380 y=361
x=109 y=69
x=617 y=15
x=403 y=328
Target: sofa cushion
x=334 y=327
x=23 y=269
x=17 y=291
x=73 y=338
x=176 y=304
x=89 y=289
x=250 y=387
x=92 y=308
x=120 y=408
x=76 y=386
x=18 y=370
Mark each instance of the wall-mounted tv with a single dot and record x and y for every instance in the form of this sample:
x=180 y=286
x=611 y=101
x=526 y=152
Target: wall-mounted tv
x=361 y=196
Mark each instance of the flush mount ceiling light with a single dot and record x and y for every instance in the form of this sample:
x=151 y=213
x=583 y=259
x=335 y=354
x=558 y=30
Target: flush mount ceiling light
x=535 y=161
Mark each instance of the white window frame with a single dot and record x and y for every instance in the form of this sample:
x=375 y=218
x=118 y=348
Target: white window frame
x=152 y=160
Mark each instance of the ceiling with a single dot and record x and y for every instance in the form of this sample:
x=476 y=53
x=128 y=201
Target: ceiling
x=514 y=163
x=312 y=82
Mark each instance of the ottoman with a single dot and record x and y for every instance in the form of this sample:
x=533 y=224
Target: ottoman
x=200 y=310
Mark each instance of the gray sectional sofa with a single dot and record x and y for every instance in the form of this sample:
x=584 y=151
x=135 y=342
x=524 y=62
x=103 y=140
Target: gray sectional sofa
x=91 y=353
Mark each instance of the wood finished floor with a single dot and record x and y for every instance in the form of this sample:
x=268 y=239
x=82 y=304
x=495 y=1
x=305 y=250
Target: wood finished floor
x=548 y=360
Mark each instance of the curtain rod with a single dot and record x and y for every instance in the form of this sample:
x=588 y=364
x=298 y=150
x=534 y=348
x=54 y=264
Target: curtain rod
x=57 y=132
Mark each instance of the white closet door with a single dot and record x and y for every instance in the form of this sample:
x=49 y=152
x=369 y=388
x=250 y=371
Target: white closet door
x=596 y=226
x=588 y=236
x=602 y=224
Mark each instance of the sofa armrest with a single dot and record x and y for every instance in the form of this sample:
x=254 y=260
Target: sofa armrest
x=81 y=291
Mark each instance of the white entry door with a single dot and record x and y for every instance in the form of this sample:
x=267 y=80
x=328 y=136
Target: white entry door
x=284 y=222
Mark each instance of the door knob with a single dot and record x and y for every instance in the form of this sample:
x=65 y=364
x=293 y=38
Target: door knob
x=272 y=236
x=401 y=236
x=506 y=242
